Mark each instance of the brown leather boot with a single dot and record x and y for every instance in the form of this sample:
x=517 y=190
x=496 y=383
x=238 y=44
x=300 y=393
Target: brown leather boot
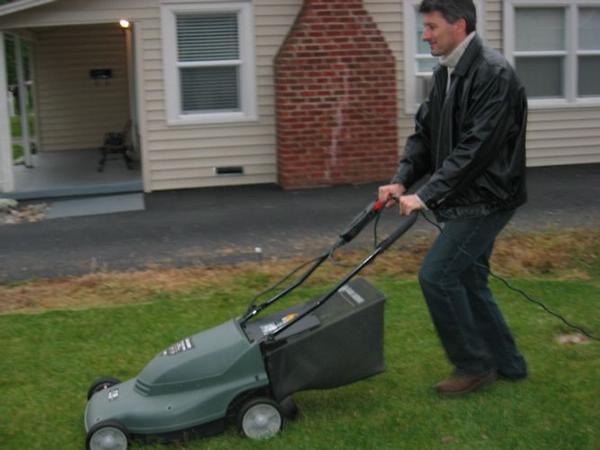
x=463 y=384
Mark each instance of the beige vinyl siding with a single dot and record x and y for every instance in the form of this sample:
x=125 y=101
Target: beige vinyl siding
x=389 y=17
x=187 y=155
x=493 y=23
x=563 y=136
x=74 y=110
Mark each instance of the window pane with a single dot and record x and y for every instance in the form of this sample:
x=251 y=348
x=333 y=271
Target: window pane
x=589 y=28
x=589 y=74
x=209 y=89
x=539 y=29
x=542 y=77
x=427 y=64
x=423 y=87
x=422 y=46
x=207 y=37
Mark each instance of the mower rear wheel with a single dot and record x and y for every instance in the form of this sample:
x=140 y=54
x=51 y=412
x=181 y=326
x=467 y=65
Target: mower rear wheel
x=260 y=418
x=107 y=435
x=100 y=384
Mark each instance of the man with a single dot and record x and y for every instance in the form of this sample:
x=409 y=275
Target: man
x=470 y=135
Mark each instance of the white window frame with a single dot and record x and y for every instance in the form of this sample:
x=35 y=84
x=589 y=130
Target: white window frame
x=171 y=66
x=411 y=75
x=570 y=53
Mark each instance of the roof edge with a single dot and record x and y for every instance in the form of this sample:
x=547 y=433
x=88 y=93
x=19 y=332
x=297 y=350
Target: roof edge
x=21 y=5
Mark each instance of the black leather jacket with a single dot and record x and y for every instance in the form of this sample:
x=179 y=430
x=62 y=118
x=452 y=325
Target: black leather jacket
x=472 y=139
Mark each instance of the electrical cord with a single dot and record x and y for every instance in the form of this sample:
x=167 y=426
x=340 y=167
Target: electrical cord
x=282 y=280
x=508 y=285
x=344 y=238
x=486 y=268
x=375 y=242
x=375 y=224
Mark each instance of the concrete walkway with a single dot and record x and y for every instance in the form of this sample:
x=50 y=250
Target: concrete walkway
x=225 y=225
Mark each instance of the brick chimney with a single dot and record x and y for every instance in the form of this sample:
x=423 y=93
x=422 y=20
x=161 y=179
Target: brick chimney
x=336 y=105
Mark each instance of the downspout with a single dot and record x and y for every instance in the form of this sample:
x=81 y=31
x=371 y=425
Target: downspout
x=7 y=182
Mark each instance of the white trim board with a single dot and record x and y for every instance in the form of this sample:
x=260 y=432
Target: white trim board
x=7 y=183
x=21 y=5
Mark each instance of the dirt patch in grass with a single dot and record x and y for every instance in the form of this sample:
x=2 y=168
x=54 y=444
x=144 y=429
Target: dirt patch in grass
x=561 y=254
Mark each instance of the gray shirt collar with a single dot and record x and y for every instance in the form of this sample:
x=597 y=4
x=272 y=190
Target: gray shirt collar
x=452 y=59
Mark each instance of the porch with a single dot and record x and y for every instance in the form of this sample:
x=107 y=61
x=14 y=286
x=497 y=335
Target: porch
x=75 y=84
x=73 y=173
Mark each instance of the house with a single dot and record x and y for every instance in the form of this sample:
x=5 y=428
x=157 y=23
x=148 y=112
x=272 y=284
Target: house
x=300 y=93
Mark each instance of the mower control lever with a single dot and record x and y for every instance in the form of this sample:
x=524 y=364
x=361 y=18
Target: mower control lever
x=360 y=221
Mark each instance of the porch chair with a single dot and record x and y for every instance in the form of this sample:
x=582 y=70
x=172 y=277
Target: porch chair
x=116 y=143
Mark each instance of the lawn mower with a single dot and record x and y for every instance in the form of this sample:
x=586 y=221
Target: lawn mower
x=246 y=370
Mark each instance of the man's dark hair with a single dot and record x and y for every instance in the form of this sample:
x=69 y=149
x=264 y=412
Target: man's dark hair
x=452 y=11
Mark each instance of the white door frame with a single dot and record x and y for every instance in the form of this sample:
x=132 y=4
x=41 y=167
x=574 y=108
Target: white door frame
x=131 y=82
x=23 y=95
x=140 y=99
x=7 y=181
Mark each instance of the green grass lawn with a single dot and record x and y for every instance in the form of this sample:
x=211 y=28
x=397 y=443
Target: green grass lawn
x=17 y=151
x=48 y=360
x=15 y=127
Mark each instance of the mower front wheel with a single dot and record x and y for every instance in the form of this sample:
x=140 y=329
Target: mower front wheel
x=100 y=384
x=107 y=435
x=260 y=418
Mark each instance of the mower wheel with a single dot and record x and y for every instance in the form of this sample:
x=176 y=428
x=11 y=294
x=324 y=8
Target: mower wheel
x=107 y=435
x=100 y=384
x=260 y=418
x=288 y=408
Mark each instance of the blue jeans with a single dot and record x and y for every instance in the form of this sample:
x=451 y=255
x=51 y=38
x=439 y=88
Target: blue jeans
x=467 y=319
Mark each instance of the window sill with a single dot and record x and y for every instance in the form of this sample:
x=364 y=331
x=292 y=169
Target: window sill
x=535 y=105
x=539 y=105
x=209 y=119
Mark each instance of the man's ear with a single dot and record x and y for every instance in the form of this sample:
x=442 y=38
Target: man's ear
x=462 y=25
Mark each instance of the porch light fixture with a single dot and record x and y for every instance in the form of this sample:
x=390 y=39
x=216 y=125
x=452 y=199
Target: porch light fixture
x=124 y=23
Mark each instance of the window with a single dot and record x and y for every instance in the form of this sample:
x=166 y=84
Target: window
x=588 y=52
x=208 y=57
x=419 y=63
x=555 y=48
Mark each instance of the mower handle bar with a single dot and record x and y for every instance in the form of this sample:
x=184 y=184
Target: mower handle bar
x=361 y=221
x=356 y=226
x=395 y=235
x=383 y=245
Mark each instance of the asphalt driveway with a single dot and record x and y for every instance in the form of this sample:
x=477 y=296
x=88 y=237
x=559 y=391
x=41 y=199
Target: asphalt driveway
x=227 y=225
